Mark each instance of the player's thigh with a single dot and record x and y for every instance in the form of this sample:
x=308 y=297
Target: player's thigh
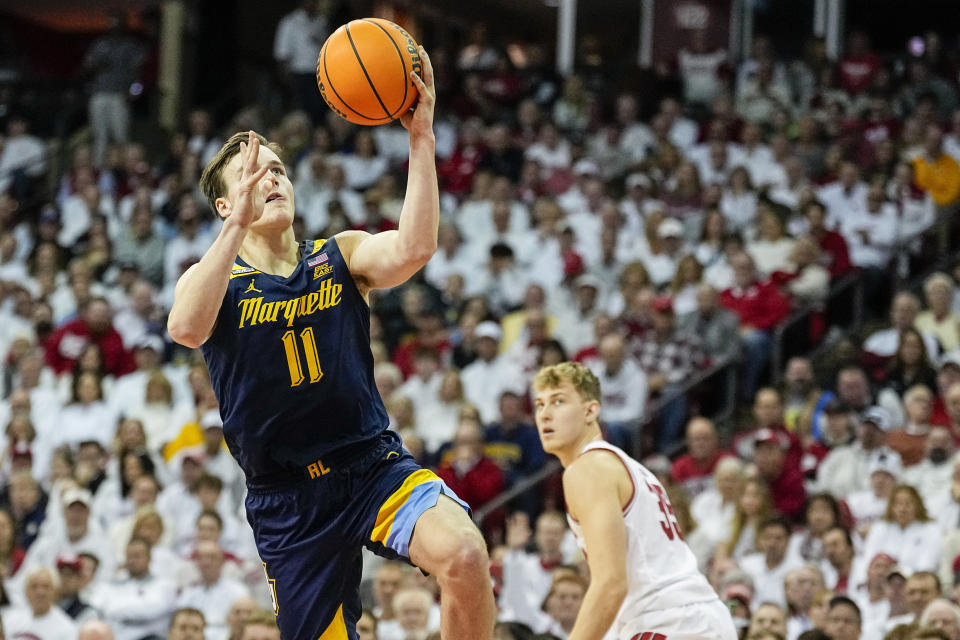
x=445 y=537
x=312 y=571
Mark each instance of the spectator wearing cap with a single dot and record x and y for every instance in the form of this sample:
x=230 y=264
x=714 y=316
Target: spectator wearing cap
x=178 y=501
x=623 y=384
x=780 y=470
x=838 y=558
x=760 y=306
x=932 y=474
x=669 y=358
x=40 y=619
x=95 y=325
x=217 y=459
x=136 y=603
x=214 y=592
x=835 y=425
x=486 y=378
x=70 y=598
x=78 y=533
x=906 y=532
x=662 y=264
x=868 y=505
x=769 y=566
x=846 y=468
x=736 y=591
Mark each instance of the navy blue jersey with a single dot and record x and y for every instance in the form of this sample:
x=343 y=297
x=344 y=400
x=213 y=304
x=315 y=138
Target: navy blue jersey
x=290 y=363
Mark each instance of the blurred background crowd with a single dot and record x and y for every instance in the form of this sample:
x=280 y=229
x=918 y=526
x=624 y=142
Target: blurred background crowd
x=755 y=253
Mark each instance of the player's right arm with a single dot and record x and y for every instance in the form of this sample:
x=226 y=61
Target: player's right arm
x=200 y=290
x=593 y=486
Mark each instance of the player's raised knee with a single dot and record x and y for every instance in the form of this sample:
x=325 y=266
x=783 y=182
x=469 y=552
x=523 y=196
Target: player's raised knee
x=469 y=557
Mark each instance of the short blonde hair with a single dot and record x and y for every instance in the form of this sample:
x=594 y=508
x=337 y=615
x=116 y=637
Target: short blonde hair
x=581 y=378
x=938 y=278
x=211 y=180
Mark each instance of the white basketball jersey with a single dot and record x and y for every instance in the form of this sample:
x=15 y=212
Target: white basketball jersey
x=661 y=569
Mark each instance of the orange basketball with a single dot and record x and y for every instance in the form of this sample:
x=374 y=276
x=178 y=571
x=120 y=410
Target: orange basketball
x=363 y=71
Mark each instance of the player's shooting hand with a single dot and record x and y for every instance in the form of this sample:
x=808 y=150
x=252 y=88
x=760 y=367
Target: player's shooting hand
x=251 y=197
x=419 y=122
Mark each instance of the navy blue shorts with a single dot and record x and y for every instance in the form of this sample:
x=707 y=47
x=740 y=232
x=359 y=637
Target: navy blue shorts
x=310 y=532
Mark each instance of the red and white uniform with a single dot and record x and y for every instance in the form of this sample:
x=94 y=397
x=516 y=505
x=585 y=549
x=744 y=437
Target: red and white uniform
x=667 y=596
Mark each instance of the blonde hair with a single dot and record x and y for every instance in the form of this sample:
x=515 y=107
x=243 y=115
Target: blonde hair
x=581 y=378
x=921 y=509
x=211 y=180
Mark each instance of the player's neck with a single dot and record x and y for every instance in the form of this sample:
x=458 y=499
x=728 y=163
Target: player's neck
x=274 y=253
x=590 y=434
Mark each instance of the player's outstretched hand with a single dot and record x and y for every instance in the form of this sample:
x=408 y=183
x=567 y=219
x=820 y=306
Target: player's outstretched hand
x=419 y=122
x=250 y=200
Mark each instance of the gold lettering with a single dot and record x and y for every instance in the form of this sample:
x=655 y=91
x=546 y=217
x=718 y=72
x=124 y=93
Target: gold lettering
x=244 y=308
x=314 y=471
x=335 y=298
x=256 y=311
x=312 y=302
x=279 y=304
x=290 y=312
x=324 y=293
x=266 y=310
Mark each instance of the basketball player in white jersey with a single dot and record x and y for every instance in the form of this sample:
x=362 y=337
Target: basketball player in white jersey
x=644 y=581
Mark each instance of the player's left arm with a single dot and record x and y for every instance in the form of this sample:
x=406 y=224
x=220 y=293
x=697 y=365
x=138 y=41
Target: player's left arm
x=592 y=487
x=389 y=258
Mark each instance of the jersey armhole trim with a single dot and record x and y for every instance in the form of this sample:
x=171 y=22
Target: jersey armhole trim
x=625 y=509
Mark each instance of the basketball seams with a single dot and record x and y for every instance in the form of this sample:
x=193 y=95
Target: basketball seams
x=367 y=75
x=403 y=62
x=329 y=82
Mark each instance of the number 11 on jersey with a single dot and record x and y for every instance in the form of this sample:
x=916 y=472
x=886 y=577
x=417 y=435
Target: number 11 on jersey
x=293 y=356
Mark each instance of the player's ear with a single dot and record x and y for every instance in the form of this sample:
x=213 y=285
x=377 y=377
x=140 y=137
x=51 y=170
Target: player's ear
x=223 y=207
x=593 y=411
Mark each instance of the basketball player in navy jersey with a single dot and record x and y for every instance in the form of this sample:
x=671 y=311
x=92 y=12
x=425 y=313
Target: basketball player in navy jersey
x=284 y=328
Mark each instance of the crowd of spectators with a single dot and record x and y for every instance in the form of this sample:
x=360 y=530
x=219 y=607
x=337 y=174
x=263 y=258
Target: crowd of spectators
x=648 y=249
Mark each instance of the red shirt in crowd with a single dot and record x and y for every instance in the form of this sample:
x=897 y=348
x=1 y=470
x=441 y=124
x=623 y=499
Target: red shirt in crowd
x=64 y=346
x=688 y=470
x=856 y=72
x=834 y=246
x=760 y=305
